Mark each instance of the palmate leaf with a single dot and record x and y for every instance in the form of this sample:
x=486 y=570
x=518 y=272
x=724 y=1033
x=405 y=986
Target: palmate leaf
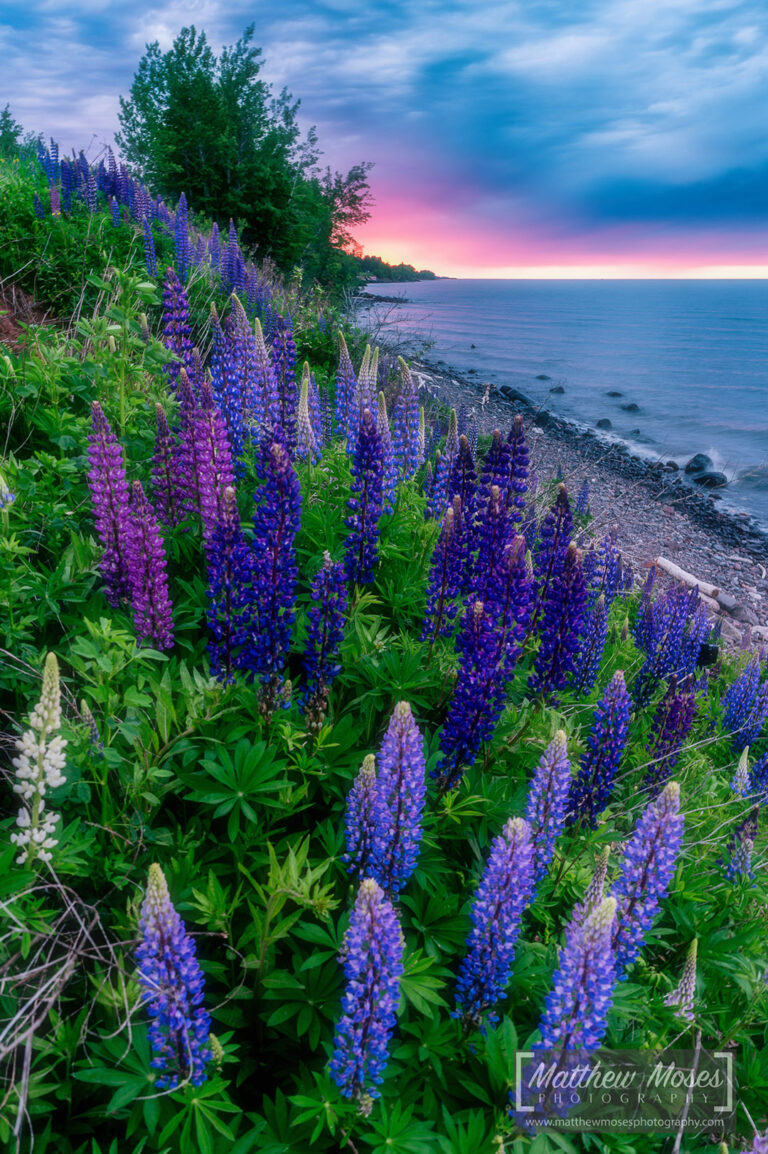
x=421 y=980
x=238 y=783
x=395 y=1131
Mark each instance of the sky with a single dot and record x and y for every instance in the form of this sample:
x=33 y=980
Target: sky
x=541 y=138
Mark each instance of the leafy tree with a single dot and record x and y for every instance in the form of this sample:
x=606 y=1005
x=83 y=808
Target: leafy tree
x=10 y=131
x=212 y=128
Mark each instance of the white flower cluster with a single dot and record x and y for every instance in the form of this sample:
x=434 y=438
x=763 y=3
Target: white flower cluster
x=39 y=768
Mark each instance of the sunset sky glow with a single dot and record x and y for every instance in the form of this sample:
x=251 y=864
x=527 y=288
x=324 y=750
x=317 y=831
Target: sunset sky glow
x=610 y=138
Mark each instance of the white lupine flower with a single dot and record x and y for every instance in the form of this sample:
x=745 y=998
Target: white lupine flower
x=39 y=768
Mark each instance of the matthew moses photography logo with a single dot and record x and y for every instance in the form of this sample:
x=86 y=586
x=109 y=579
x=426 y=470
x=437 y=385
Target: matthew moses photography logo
x=625 y=1090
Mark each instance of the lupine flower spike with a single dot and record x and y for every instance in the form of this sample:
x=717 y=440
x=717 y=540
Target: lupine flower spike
x=150 y=601
x=400 y=795
x=741 y=778
x=360 y=820
x=366 y=502
x=109 y=493
x=373 y=965
x=172 y=983
x=326 y=619
x=593 y=785
x=231 y=610
x=39 y=767
x=503 y=893
x=547 y=801
x=681 y=998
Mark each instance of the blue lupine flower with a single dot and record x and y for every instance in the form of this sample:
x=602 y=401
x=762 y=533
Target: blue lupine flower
x=284 y=364
x=581 y=508
x=231 y=610
x=114 y=209
x=561 y=622
x=518 y=469
x=166 y=483
x=389 y=466
x=408 y=451
x=673 y=629
x=745 y=706
x=493 y=532
x=37 y=205
x=177 y=333
x=214 y=248
x=554 y=537
x=582 y=988
x=366 y=503
x=325 y=630
x=360 y=819
x=547 y=801
x=647 y=869
x=400 y=795
x=593 y=785
x=591 y=646
x=670 y=727
x=504 y=891
x=681 y=998
x=150 y=258
x=604 y=571
x=495 y=472
x=738 y=863
x=439 y=496
x=306 y=440
x=181 y=240
x=463 y=479
x=373 y=965
x=172 y=984
x=346 y=384
x=446 y=576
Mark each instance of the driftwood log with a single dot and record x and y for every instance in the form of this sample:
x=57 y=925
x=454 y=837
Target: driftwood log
x=708 y=592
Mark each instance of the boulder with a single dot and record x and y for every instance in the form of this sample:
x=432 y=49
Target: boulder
x=604 y=423
x=614 y=393
x=542 y=419
x=699 y=463
x=543 y=377
x=673 y=466
x=710 y=480
x=632 y=407
x=557 y=389
x=513 y=395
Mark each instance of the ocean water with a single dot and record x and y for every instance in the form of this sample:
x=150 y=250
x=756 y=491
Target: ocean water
x=691 y=355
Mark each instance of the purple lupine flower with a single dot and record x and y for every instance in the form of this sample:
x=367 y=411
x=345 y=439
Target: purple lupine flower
x=91 y=193
x=670 y=727
x=554 y=537
x=547 y=802
x=306 y=441
x=647 y=869
x=284 y=363
x=463 y=478
x=745 y=706
x=186 y=464
x=37 y=205
x=407 y=448
x=389 y=482
x=319 y=412
x=276 y=522
x=642 y=629
x=266 y=381
x=738 y=863
x=150 y=257
x=111 y=504
x=473 y=433
x=365 y=504
x=758 y=775
x=582 y=988
x=325 y=629
x=346 y=385
x=172 y=990
x=594 y=892
x=562 y=619
x=518 y=469
x=677 y=625
x=181 y=239
x=177 y=334
x=495 y=471
x=759 y=1144
x=439 y=496
x=591 y=645
x=150 y=602
x=488 y=646
x=446 y=577
x=603 y=570
x=581 y=508
x=214 y=459
x=493 y=531
x=681 y=998
x=165 y=481
x=114 y=209
x=360 y=819
x=214 y=248
x=55 y=201
x=231 y=612
x=400 y=795
x=504 y=891
x=373 y=965
x=593 y=785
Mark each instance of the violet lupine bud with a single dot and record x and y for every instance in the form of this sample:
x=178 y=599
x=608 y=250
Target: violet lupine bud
x=594 y=893
x=306 y=441
x=372 y=955
x=325 y=630
x=284 y=364
x=740 y=844
x=547 y=802
x=463 y=478
x=172 y=985
x=276 y=522
x=593 y=785
x=670 y=727
x=519 y=462
x=681 y=998
x=400 y=795
x=408 y=449
x=365 y=504
x=591 y=645
x=554 y=538
x=109 y=493
x=360 y=819
x=177 y=333
x=388 y=455
x=649 y=863
x=346 y=385
x=745 y=706
x=165 y=481
x=214 y=459
x=562 y=617
x=504 y=891
x=582 y=988
x=55 y=201
x=231 y=610
x=446 y=577
x=150 y=601
x=439 y=496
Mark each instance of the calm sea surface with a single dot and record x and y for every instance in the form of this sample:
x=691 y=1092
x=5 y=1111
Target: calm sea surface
x=692 y=355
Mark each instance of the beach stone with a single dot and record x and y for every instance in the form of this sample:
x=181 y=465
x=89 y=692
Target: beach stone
x=542 y=419
x=745 y=614
x=614 y=393
x=632 y=407
x=513 y=394
x=710 y=480
x=673 y=465
x=543 y=377
x=604 y=423
x=699 y=463
x=557 y=389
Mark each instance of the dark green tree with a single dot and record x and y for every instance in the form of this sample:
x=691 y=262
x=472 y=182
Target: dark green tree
x=212 y=128
x=10 y=132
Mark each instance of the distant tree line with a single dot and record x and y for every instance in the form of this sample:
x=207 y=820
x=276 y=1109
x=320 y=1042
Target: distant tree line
x=373 y=267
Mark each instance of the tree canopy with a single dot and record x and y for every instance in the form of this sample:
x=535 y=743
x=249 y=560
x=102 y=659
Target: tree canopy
x=210 y=127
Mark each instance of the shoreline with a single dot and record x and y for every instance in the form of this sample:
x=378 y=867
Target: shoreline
x=657 y=512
